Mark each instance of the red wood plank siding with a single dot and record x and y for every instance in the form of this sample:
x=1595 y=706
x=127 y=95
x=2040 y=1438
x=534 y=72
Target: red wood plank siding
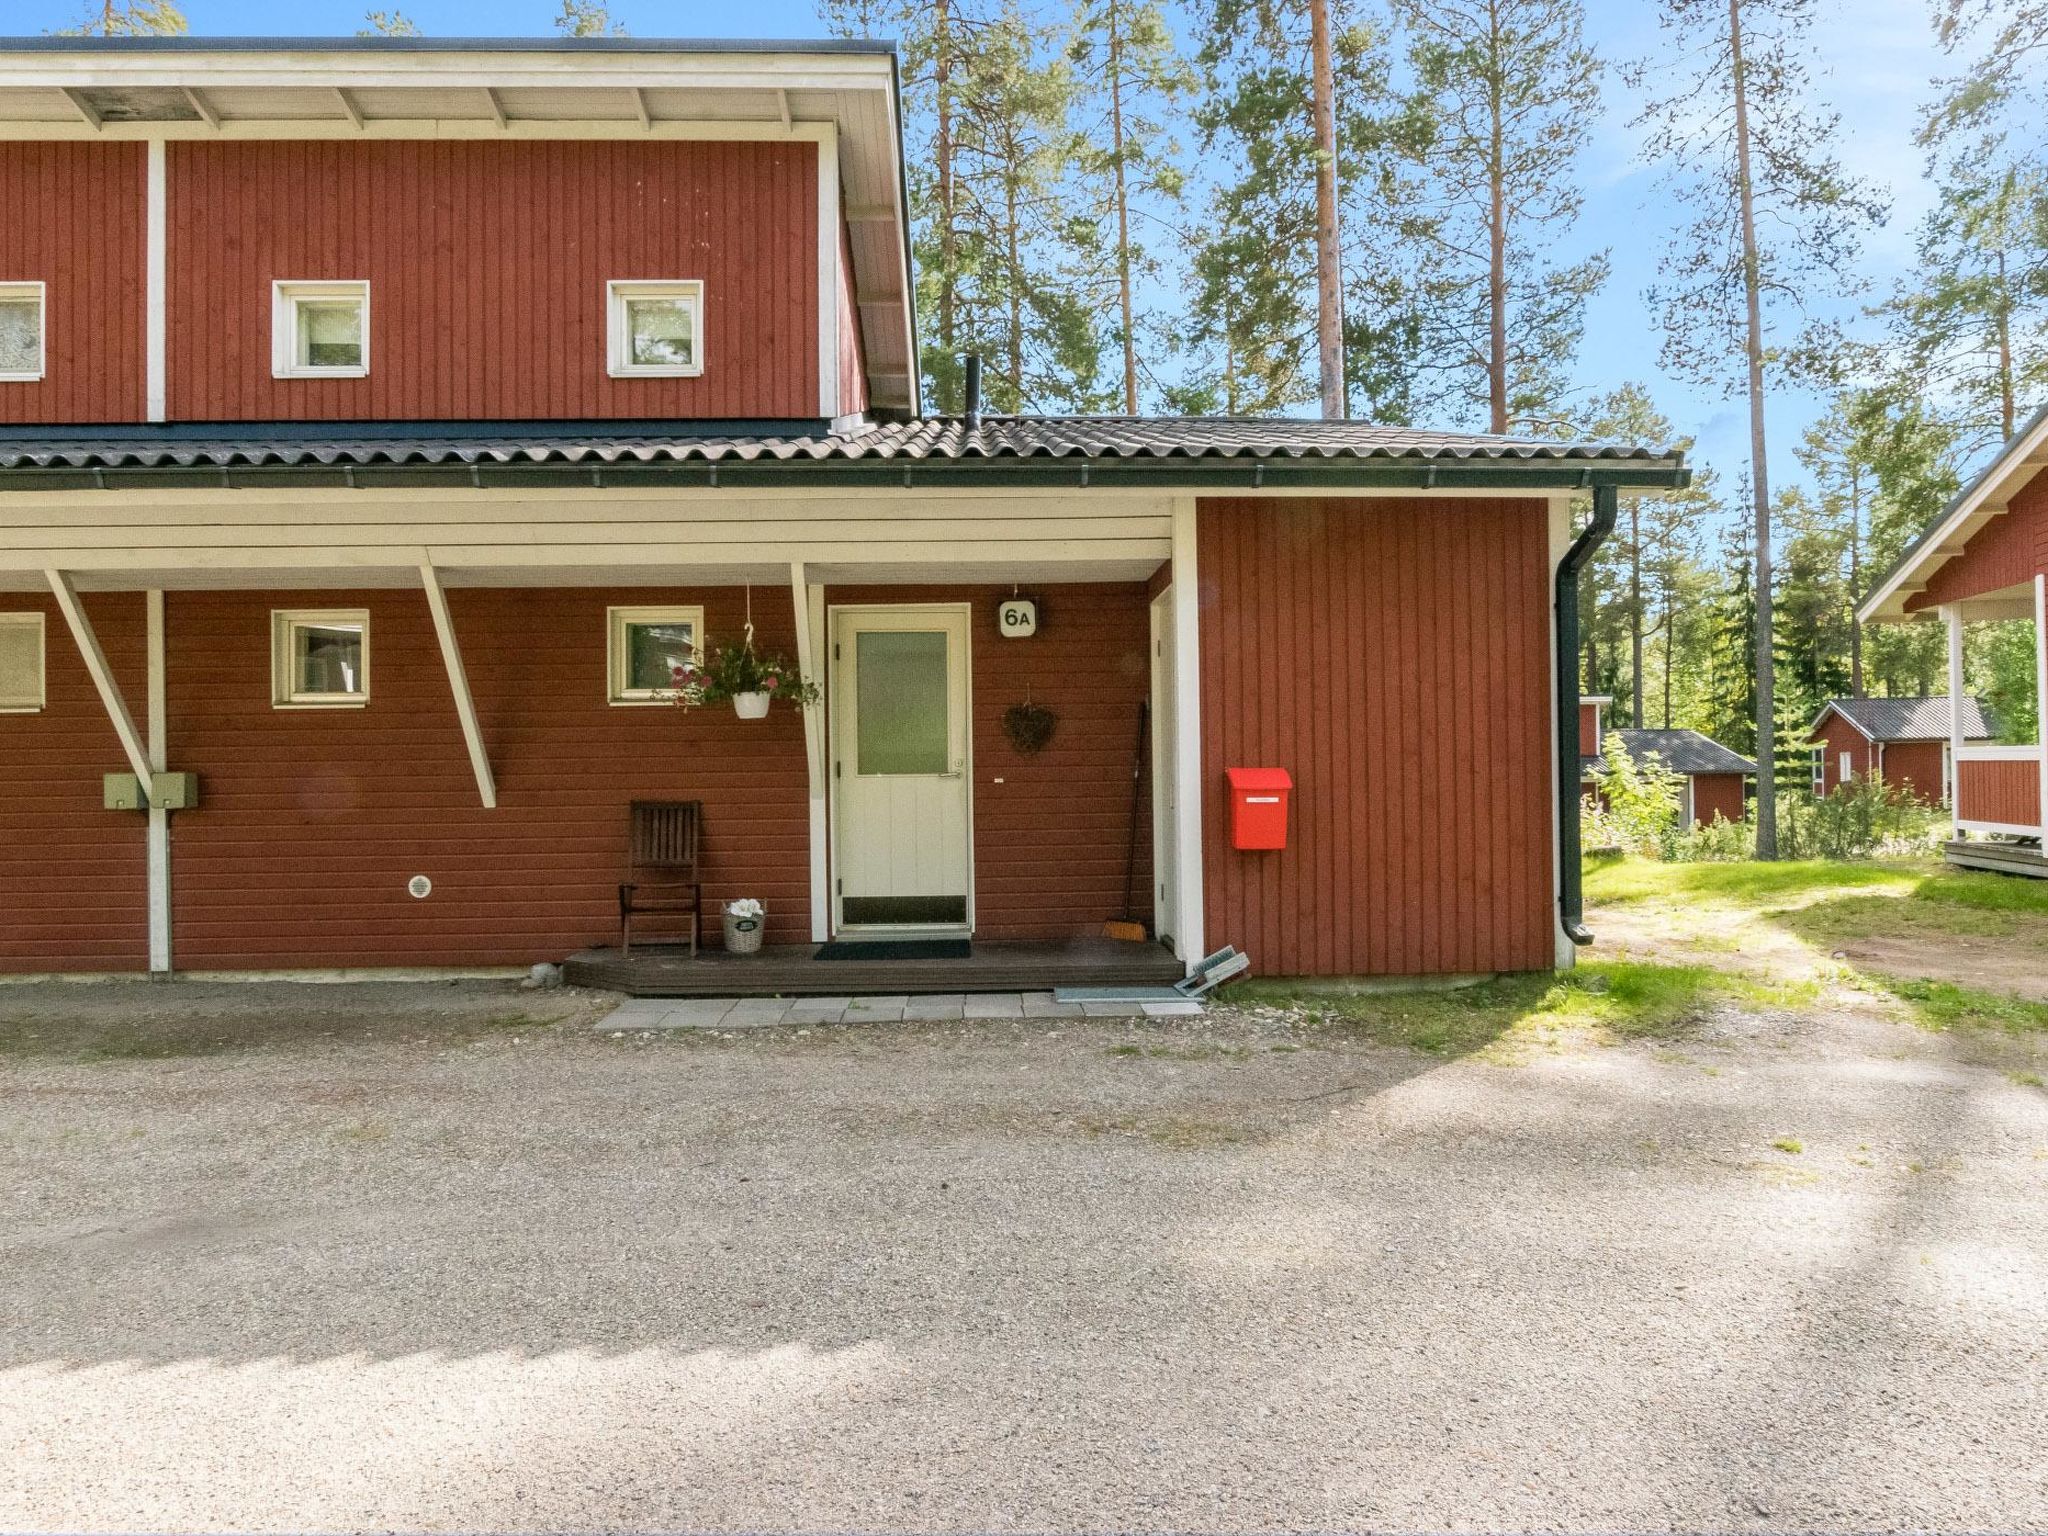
x=1589 y=729
x=2006 y=552
x=76 y=223
x=1915 y=768
x=311 y=821
x=853 y=372
x=487 y=265
x=1717 y=794
x=2005 y=792
x=1395 y=656
x=1839 y=736
x=73 y=891
x=1050 y=840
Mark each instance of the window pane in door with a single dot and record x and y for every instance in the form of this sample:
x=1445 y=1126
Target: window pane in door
x=654 y=651
x=331 y=333
x=901 y=699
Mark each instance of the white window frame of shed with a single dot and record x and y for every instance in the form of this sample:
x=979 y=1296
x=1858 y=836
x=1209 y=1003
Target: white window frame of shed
x=287 y=334
x=619 y=298
x=12 y=627
x=38 y=295
x=286 y=625
x=619 y=622
x=1820 y=767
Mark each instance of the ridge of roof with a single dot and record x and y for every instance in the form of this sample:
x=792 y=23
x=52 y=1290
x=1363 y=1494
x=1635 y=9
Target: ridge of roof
x=1915 y=717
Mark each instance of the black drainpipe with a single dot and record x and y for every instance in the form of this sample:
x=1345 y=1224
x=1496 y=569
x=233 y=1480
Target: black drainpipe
x=1570 y=895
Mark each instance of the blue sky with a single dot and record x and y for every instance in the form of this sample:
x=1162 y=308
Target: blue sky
x=1879 y=56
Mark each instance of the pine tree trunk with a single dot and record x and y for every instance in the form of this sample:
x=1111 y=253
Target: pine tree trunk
x=2008 y=406
x=942 y=76
x=1759 y=475
x=1635 y=610
x=1497 y=264
x=1855 y=581
x=1123 y=205
x=1015 y=284
x=1329 y=277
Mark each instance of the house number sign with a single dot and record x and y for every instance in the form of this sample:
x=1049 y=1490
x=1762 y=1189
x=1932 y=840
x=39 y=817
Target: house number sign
x=1017 y=618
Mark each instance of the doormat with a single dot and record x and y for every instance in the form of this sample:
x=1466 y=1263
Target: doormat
x=895 y=949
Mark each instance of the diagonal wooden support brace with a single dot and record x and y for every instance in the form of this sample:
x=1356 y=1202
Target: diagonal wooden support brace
x=458 y=681
x=102 y=677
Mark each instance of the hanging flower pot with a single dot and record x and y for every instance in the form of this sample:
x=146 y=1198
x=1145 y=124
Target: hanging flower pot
x=751 y=681
x=751 y=706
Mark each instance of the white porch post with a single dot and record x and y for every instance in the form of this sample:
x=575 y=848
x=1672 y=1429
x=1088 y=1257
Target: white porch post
x=159 y=844
x=1190 y=942
x=2041 y=691
x=458 y=684
x=1953 y=617
x=809 y=605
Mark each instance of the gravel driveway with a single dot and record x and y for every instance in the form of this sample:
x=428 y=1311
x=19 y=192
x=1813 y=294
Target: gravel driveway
x=427 y=1265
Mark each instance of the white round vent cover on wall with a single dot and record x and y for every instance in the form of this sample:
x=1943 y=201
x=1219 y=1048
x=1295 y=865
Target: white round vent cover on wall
x=420 y=887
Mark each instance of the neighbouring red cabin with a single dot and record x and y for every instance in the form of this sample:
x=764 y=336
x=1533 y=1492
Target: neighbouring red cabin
x=376 y=442
x=1903 y=741
x=1715 y=781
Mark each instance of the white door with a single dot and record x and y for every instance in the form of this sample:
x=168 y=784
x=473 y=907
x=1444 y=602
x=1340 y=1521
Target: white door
x=1165 y=783
x=900 y=770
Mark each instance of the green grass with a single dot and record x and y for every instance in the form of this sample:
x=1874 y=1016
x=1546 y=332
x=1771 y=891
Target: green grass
x=1614 y=881
x=1612 y=999
x=1790 y=1144
x=1984 y=893
x=1942 y=1005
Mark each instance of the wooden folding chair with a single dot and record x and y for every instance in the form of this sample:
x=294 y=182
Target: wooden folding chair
x=661 y=868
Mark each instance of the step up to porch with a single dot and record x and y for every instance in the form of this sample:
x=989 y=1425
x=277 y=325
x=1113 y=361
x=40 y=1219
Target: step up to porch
x=1998 y=858
x=792 y=970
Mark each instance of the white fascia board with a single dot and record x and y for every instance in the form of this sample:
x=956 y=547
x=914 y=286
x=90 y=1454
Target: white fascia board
x=1829 y=709
x=317 y=70
x=2025 y=456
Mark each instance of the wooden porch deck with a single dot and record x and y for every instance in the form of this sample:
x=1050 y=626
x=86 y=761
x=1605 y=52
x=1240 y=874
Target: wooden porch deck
x=789 y=970
x=1998 y=858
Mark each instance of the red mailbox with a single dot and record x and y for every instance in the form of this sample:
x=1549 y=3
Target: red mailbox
x=1258 y=806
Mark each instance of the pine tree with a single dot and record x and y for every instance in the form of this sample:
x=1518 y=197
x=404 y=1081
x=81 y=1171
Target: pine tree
x=587 y=18
x=131 y=18
x=1836 y=456
x=1512 y=91
x=1730 y=702
x=389 y=24
x=1129 y=71
x=1774 y=217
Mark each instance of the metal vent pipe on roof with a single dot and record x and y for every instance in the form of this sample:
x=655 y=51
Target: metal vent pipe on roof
x=970 y=408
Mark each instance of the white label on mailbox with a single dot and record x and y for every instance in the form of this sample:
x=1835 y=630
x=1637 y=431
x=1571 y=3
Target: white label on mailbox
x=1261 y=799
x=1017 y=618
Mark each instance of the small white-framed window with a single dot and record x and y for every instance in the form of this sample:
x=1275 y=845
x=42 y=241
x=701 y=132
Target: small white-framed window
x=320 y=658
x=654 y=329
x=1820 y=767
x=21 y=663
x=320 y=330
x=645 y=646
x=21 y=332
x=1845 y=768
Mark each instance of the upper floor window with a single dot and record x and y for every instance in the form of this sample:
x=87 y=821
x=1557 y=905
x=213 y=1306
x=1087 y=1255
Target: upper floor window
x=319 y=657
x=655 y=329
x=21 y=331
x=21 y=663
x=320 y=330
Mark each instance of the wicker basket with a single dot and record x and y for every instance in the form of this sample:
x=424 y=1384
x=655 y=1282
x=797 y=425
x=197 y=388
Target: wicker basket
x=743 y=934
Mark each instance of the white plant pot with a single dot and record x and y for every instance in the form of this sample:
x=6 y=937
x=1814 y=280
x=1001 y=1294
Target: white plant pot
x=751 y=706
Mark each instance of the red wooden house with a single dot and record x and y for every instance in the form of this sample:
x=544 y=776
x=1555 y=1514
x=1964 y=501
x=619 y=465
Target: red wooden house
x=380 y=418
x=1714 y=778
x=1985 y=556
x=1903 y=741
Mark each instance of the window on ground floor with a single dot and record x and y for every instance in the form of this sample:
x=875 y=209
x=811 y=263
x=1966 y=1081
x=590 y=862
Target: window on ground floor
x=21 y=332
x=320 y=330
x=655 y=329
x=1820 y=767
x=21 y=663
x=646 y=646
x=320 y=658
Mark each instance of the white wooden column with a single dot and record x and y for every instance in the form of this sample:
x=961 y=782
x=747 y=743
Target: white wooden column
x=458 y=684
x=1190 y=941
x=808 y=603
x=1952 y=616
x=157 y=227
x=829 y=404
x=2041 y=690
x=159 y=845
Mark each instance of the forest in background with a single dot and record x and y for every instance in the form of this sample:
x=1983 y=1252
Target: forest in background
x=1369 y=207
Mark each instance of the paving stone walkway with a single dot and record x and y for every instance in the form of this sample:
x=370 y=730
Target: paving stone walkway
x=756 y=1012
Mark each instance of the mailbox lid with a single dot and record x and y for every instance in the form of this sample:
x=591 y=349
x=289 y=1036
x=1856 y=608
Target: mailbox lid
x=1259 y=780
